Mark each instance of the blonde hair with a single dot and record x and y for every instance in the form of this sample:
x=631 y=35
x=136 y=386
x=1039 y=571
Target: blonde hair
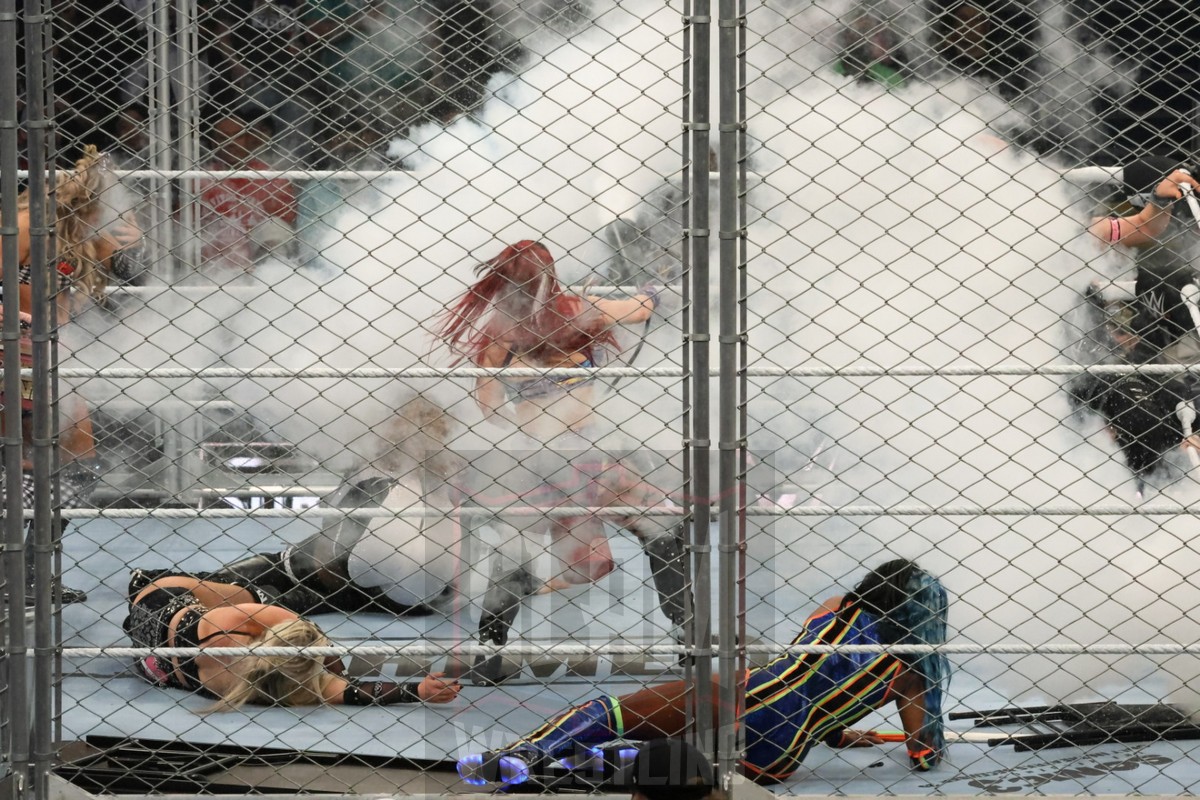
x=416 y=436
x=289 y=680
x=77 y=196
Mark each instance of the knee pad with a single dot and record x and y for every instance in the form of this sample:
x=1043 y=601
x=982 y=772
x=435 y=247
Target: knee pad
x=407 y=559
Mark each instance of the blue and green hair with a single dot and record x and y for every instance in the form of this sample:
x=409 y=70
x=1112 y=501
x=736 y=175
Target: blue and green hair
x=910 y=606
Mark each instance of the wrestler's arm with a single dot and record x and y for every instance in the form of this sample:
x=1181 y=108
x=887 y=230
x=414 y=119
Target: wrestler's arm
x=631 y=311
x=1144 y=227
x=434 y=688
x=77 y=441
x=123 y=233
x=23 y=236
x=22 y=258
x=910 y=700
x=489 y=392
x=846 y=737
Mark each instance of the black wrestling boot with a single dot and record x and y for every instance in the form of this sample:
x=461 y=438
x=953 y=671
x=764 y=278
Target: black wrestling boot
x=262 y=571
x=69 y=595
x=668 y=569
x=140 y=578
x=501 y=603
x=284 y=578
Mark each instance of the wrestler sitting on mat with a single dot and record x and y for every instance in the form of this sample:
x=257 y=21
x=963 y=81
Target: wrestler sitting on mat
x=178 y=611
x=792 y=703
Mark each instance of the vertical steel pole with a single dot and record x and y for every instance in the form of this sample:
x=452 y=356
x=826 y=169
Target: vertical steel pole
x=159 y=104
x=42 y=258
x=729 y=443
x=158 y=97
x=48 y=634
x=685 y=254
x=698 y=236
x=14 y=722
x=188 y=105
x=744 y=363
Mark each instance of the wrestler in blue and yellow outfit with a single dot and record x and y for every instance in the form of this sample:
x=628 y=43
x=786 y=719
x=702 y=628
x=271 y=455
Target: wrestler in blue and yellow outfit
x=795 y=701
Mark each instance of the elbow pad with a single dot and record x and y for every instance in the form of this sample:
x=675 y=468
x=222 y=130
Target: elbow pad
x=128 y=264
x=380 y=693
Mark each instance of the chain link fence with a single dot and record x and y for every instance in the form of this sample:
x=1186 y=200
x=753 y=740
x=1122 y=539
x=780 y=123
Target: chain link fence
x=422 y=397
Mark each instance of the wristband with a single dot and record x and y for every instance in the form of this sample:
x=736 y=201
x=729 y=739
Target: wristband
x=923 y=760
x=380 y=693
x=653 y=294
x=1158 y=201
x=836 y=739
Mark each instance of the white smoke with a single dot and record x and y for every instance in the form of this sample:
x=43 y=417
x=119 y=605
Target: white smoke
x=888 y=229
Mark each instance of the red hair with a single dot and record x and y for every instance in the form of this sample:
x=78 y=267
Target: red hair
x=518 y=299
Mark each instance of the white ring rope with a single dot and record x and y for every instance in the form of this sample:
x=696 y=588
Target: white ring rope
x=266 y=174
x=427 y=649
x=240 y=289
x=865 y=371
x=412 y=512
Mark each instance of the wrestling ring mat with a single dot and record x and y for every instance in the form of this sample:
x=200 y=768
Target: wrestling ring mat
x=122 y=735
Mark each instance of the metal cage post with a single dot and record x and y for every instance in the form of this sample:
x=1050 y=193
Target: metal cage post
x=14 y=723
x=42 y=260
x=729 y=438
x=698 y=243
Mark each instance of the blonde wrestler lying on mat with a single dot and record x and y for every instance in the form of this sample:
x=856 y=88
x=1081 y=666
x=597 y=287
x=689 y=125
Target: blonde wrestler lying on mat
x=181 y=611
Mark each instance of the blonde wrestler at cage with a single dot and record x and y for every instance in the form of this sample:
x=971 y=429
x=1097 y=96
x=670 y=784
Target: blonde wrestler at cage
x=518 y=314
x=181 y=611
x=92 y=243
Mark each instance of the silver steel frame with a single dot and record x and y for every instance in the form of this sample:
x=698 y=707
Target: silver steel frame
x=27 y=733
x=14 y=725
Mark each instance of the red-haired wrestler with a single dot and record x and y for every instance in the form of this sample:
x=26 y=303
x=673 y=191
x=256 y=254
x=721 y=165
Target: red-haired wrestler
x=518 y=314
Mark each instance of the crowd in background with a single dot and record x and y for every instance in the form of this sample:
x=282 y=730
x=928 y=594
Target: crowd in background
x=328 y=71
x=325 y=84
x=323 y=70
x=1130 y=64
x=281 y=84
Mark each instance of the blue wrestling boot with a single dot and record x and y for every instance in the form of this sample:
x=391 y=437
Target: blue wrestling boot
x=560 y=742
x=509 y=767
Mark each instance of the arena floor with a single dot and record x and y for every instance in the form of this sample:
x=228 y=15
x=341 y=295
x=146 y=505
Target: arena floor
x=103 y=702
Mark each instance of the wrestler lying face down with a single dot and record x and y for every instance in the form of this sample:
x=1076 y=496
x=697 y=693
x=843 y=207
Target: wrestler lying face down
x=181 y=611
x=791 y=704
